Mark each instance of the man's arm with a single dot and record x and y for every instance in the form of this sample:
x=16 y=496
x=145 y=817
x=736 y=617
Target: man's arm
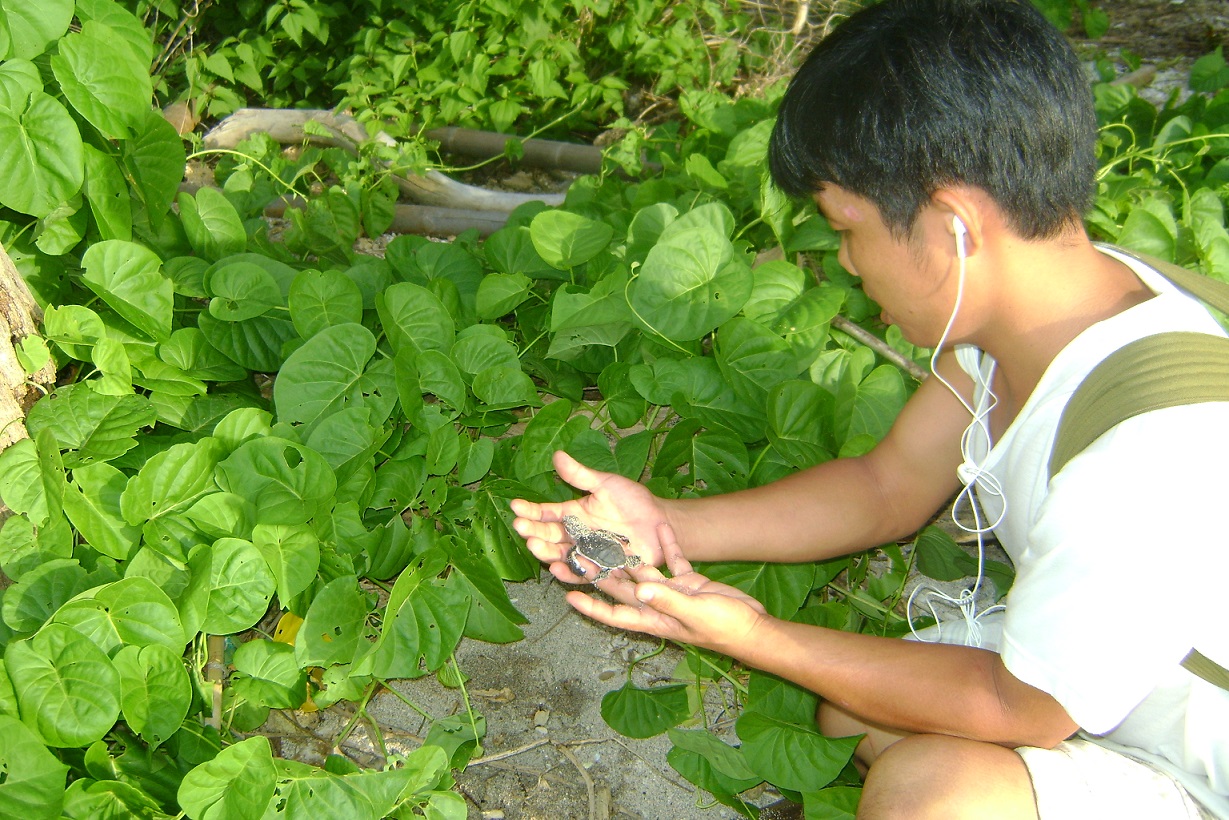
x=840 y=506
x=910 y=686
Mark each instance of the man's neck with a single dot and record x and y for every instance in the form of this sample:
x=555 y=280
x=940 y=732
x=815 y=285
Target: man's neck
x=1044 y=295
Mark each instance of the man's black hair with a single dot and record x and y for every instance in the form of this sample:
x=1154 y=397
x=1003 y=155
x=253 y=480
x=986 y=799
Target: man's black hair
x=908 y=96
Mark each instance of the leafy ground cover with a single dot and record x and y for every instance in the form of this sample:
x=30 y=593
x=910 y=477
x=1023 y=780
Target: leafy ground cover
x=310 y=451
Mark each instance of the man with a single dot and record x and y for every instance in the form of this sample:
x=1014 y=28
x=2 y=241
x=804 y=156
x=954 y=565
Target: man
x=950 y=143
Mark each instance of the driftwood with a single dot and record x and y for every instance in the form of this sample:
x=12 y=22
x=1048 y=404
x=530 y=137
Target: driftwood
x=286 y=126
x=19 y=318
x=420 y=219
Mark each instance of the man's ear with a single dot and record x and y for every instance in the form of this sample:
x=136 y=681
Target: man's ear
x=962 y=207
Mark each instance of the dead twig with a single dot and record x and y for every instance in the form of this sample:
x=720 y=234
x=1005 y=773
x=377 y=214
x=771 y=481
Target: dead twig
x=584 y=774
x=879 y=346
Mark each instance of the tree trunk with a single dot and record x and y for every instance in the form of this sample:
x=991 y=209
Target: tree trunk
x=286 y=126
x=19 y=317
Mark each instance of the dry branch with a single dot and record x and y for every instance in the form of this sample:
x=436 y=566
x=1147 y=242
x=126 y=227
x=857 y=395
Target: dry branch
x=19 y=317
x=432 y=188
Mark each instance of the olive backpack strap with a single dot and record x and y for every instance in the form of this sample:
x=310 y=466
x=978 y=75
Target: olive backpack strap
x=1165 y=370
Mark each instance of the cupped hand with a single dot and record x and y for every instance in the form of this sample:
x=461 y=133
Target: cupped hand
x=687 y=606
x=612 y=503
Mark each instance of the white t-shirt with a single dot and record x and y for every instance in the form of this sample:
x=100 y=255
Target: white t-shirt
x=1121 y=560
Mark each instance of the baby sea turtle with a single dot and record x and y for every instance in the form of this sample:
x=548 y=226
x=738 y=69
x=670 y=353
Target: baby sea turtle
x=602 y=547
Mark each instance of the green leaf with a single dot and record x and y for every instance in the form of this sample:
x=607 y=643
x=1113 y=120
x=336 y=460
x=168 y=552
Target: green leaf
x=171 y=481
x=690 y=284
x=190 y=352
x=492 y=615
x=67 y=688
x=292 y=553
x=33 y=787
x=287 y=482
x=720 y=462
x=255 y=344
x=212 y=224
x=781 y=699
x=155 y=691
x=61 y=230
x=266 y=673
x=103 y=80
x=792 y=756
x=805 y=323
x=322 y=299
x=109 y=798
x=500 y=293
x=40 y=592
x=21 y=484
x=500 y=386
x=641 y=713
x=700 y=771
x=414 y=318
x=42 y=154
x=565 y=239
x=154 y=160
x=107 y=194
x=329 y=373
x=870 y=407
x=422 y=622
x=334 y=626
x=18 y=80
x=131 y=611
x=1150 y=228
x=92 y=503
x=1210 y=73
x=28 y=29
x=241 y=290
x=551 y=428
x=781 y=588
x=235 y=582
x=753 y=359
x=799 y=422
x=238 y=784
x=128 y=277
x=724 y=758
x=89 y=426
x=500 y=544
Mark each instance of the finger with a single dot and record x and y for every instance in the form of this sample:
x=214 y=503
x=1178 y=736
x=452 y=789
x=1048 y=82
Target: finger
x=577 y=474
x=645 y=573
x=675 y=561
x=549 y=532
x=663 y=599
x=532 y=511
x=620 y=616
x=546 y=551
x=619 y=587
x=565 y=573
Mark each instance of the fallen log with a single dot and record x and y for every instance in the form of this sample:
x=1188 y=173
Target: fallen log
x=19 y=317
x=427 y=220
x=287 y=126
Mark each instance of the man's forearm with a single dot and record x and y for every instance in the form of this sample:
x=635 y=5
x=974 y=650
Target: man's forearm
x=910 y=686
x=832 y=509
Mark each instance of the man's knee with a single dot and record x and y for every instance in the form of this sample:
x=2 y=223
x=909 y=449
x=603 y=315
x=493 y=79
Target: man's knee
x=922 y=776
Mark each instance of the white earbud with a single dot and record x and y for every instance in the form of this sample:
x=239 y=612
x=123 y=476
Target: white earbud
x=960 y=231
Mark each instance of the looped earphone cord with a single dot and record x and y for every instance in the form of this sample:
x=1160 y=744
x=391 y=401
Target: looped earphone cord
x=973 y=476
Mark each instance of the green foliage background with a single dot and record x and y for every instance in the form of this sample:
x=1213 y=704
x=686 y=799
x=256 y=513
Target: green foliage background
x=250 y=433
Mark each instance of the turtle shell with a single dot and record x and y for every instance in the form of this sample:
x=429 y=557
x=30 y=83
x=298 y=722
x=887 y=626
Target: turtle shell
x=603 y=547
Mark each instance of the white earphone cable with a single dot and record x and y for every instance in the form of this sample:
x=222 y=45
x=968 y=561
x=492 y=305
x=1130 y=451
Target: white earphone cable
x=973 y=476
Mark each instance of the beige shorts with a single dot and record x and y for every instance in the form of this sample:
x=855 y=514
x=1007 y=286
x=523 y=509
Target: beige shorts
x=1079 y=780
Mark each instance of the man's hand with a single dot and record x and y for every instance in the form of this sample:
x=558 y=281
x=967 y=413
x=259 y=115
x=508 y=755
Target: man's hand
x=613 y=503
x=686 y=607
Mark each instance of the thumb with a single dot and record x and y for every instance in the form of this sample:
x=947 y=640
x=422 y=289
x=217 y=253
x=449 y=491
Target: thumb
x=575 y=473
x=661 y=597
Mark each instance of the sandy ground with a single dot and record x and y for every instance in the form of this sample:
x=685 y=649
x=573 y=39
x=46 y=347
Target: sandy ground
x=547 y=754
